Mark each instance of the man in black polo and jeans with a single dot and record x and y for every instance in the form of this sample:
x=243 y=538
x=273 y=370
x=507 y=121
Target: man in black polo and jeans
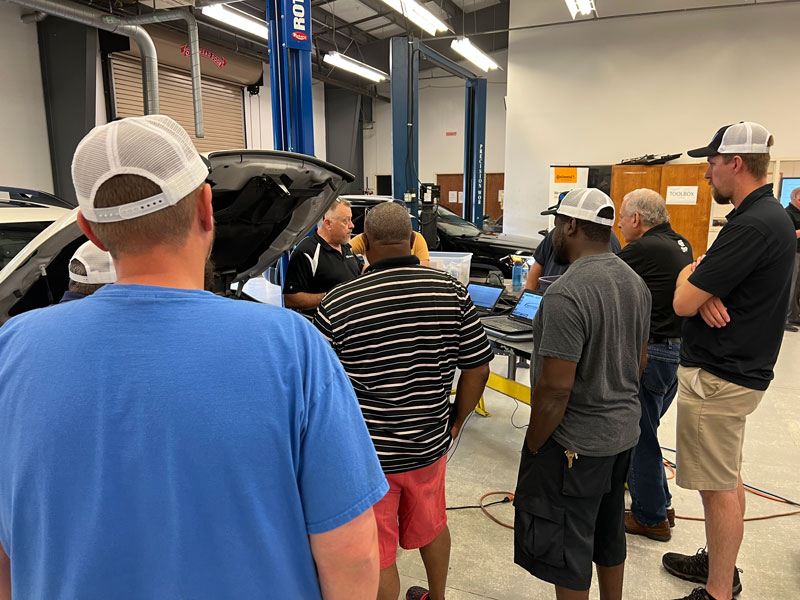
x=322 y=260
x=657 y=254
x=590 y=335
x=793 y=210
x=736 y=298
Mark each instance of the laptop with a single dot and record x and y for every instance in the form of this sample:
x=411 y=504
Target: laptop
x=520 y=321
x=485 y=296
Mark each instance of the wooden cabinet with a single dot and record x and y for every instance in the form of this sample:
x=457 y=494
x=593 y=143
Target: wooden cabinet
x=692 y=220
x=455 y=183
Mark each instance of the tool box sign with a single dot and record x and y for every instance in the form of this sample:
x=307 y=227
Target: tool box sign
x=297 y=24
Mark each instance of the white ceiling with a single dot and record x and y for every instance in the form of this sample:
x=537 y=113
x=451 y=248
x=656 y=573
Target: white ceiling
x=542 y=12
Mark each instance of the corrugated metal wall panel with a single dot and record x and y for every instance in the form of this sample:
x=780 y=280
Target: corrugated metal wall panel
x=222 y=103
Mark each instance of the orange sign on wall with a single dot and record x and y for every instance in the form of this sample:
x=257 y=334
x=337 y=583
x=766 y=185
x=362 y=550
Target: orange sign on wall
x=565 y=175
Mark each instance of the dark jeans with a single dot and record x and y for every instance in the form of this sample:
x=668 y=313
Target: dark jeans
x=792 y=313
x=647 y=480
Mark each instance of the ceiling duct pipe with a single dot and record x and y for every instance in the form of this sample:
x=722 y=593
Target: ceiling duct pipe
x=33 y=17
x=100 y=20
x=181 y=14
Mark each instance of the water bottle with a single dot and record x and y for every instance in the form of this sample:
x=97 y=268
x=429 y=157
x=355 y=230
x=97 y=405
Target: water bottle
x=525 y=269
x=516 y=277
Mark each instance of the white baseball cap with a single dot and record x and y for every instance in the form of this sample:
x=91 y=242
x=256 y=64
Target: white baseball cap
x=154 y=147
x=97 y=263
x=744 y=137
x=587 y=204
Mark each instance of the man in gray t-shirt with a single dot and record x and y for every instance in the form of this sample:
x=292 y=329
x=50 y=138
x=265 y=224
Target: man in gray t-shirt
x=590 y=338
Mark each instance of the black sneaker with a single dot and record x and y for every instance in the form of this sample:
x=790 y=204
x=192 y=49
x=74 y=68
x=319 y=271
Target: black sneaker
x=698 y=593
x=694 y=568
x=417 y=593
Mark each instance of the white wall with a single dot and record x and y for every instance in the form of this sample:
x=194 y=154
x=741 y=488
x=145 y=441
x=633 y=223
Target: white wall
x=598 y=92
x=258 y=117
x=24 y=148
x=441 y=110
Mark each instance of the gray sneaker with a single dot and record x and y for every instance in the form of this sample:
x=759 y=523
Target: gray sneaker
x=694 y=568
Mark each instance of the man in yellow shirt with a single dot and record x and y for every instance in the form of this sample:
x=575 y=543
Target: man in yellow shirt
x=419 y=247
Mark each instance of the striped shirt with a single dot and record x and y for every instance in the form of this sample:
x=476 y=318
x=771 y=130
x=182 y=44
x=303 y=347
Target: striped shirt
x=400 y=330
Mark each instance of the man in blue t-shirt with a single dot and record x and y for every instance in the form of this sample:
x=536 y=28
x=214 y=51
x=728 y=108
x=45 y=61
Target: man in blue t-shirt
x=193 y=446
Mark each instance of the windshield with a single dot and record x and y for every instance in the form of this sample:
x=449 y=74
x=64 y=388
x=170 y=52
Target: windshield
x=454 y=225
x=15 y=236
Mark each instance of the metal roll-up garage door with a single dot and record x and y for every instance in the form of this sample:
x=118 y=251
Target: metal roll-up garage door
x=222 y=103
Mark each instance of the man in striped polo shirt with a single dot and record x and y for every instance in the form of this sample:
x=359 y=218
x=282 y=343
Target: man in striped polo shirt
x=400 y=331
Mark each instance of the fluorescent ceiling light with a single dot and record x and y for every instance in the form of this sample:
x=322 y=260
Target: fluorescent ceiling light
x=354 y=66
x=585 y=7
x=418 y=14
x=473 y=54
x=237 y=19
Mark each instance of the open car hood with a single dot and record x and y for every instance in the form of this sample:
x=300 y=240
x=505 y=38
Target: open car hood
x=264 y=202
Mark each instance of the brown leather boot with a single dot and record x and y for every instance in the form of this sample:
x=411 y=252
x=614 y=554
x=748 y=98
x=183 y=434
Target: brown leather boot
x=660 y=532
x=671 y=516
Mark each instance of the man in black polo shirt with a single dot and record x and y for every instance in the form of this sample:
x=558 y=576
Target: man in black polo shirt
x=322 y=260
x=657 y=254
x=793 y=210
x=400 y=331
x=736 y=298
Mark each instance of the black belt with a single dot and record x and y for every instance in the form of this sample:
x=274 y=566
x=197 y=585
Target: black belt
x=664 y=340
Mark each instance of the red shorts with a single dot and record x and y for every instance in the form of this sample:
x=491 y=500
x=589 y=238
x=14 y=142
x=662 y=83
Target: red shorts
x=413 y=511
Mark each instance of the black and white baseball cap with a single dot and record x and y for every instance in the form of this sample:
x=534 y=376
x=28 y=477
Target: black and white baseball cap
x=97 y=263
x=154 y=147
x=744 y=137
x=588 y=204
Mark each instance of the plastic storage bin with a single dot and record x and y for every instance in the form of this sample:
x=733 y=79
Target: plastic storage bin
x=455 y=263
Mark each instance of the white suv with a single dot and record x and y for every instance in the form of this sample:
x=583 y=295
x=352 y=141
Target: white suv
x=24 y=214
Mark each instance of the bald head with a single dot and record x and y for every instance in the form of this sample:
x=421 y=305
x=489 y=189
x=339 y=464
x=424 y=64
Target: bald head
x=388 y=224
x=794 y=197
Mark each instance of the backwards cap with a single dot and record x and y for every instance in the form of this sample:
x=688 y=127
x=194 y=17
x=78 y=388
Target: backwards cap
x=154 y=147
x=586 y=204
x=97 y=263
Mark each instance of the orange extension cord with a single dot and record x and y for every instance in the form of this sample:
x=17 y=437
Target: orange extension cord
x=669 y=466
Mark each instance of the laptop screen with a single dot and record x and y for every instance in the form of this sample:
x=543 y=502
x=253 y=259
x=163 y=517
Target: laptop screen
x=527 y=306
x=484 y=295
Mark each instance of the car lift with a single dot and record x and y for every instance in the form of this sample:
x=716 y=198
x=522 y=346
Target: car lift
x=289 y=23
x=289 y=44
x=404 y=73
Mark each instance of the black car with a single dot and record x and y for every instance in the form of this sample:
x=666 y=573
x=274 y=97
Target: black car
x=490 y=251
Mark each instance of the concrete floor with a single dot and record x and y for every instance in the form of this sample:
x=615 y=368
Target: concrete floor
x=482 y=566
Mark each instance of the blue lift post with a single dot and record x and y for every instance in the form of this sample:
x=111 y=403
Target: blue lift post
x=404 y=66
x=404 y=73
x=289 y=23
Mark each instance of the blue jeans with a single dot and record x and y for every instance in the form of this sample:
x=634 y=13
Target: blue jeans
x=647 y=480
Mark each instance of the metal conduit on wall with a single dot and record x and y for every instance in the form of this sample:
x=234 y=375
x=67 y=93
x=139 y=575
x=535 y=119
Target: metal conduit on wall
x=132 y=29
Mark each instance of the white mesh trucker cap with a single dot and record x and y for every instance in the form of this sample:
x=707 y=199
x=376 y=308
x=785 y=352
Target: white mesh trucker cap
x=586 y=204
x=154 y=147
x=743 y=137
x=98 y=264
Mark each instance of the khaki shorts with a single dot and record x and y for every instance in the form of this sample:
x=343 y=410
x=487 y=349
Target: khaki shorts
x=711 y=417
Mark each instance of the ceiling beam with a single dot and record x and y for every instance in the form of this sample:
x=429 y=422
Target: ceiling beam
x=331 y=22
x=393 y=16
